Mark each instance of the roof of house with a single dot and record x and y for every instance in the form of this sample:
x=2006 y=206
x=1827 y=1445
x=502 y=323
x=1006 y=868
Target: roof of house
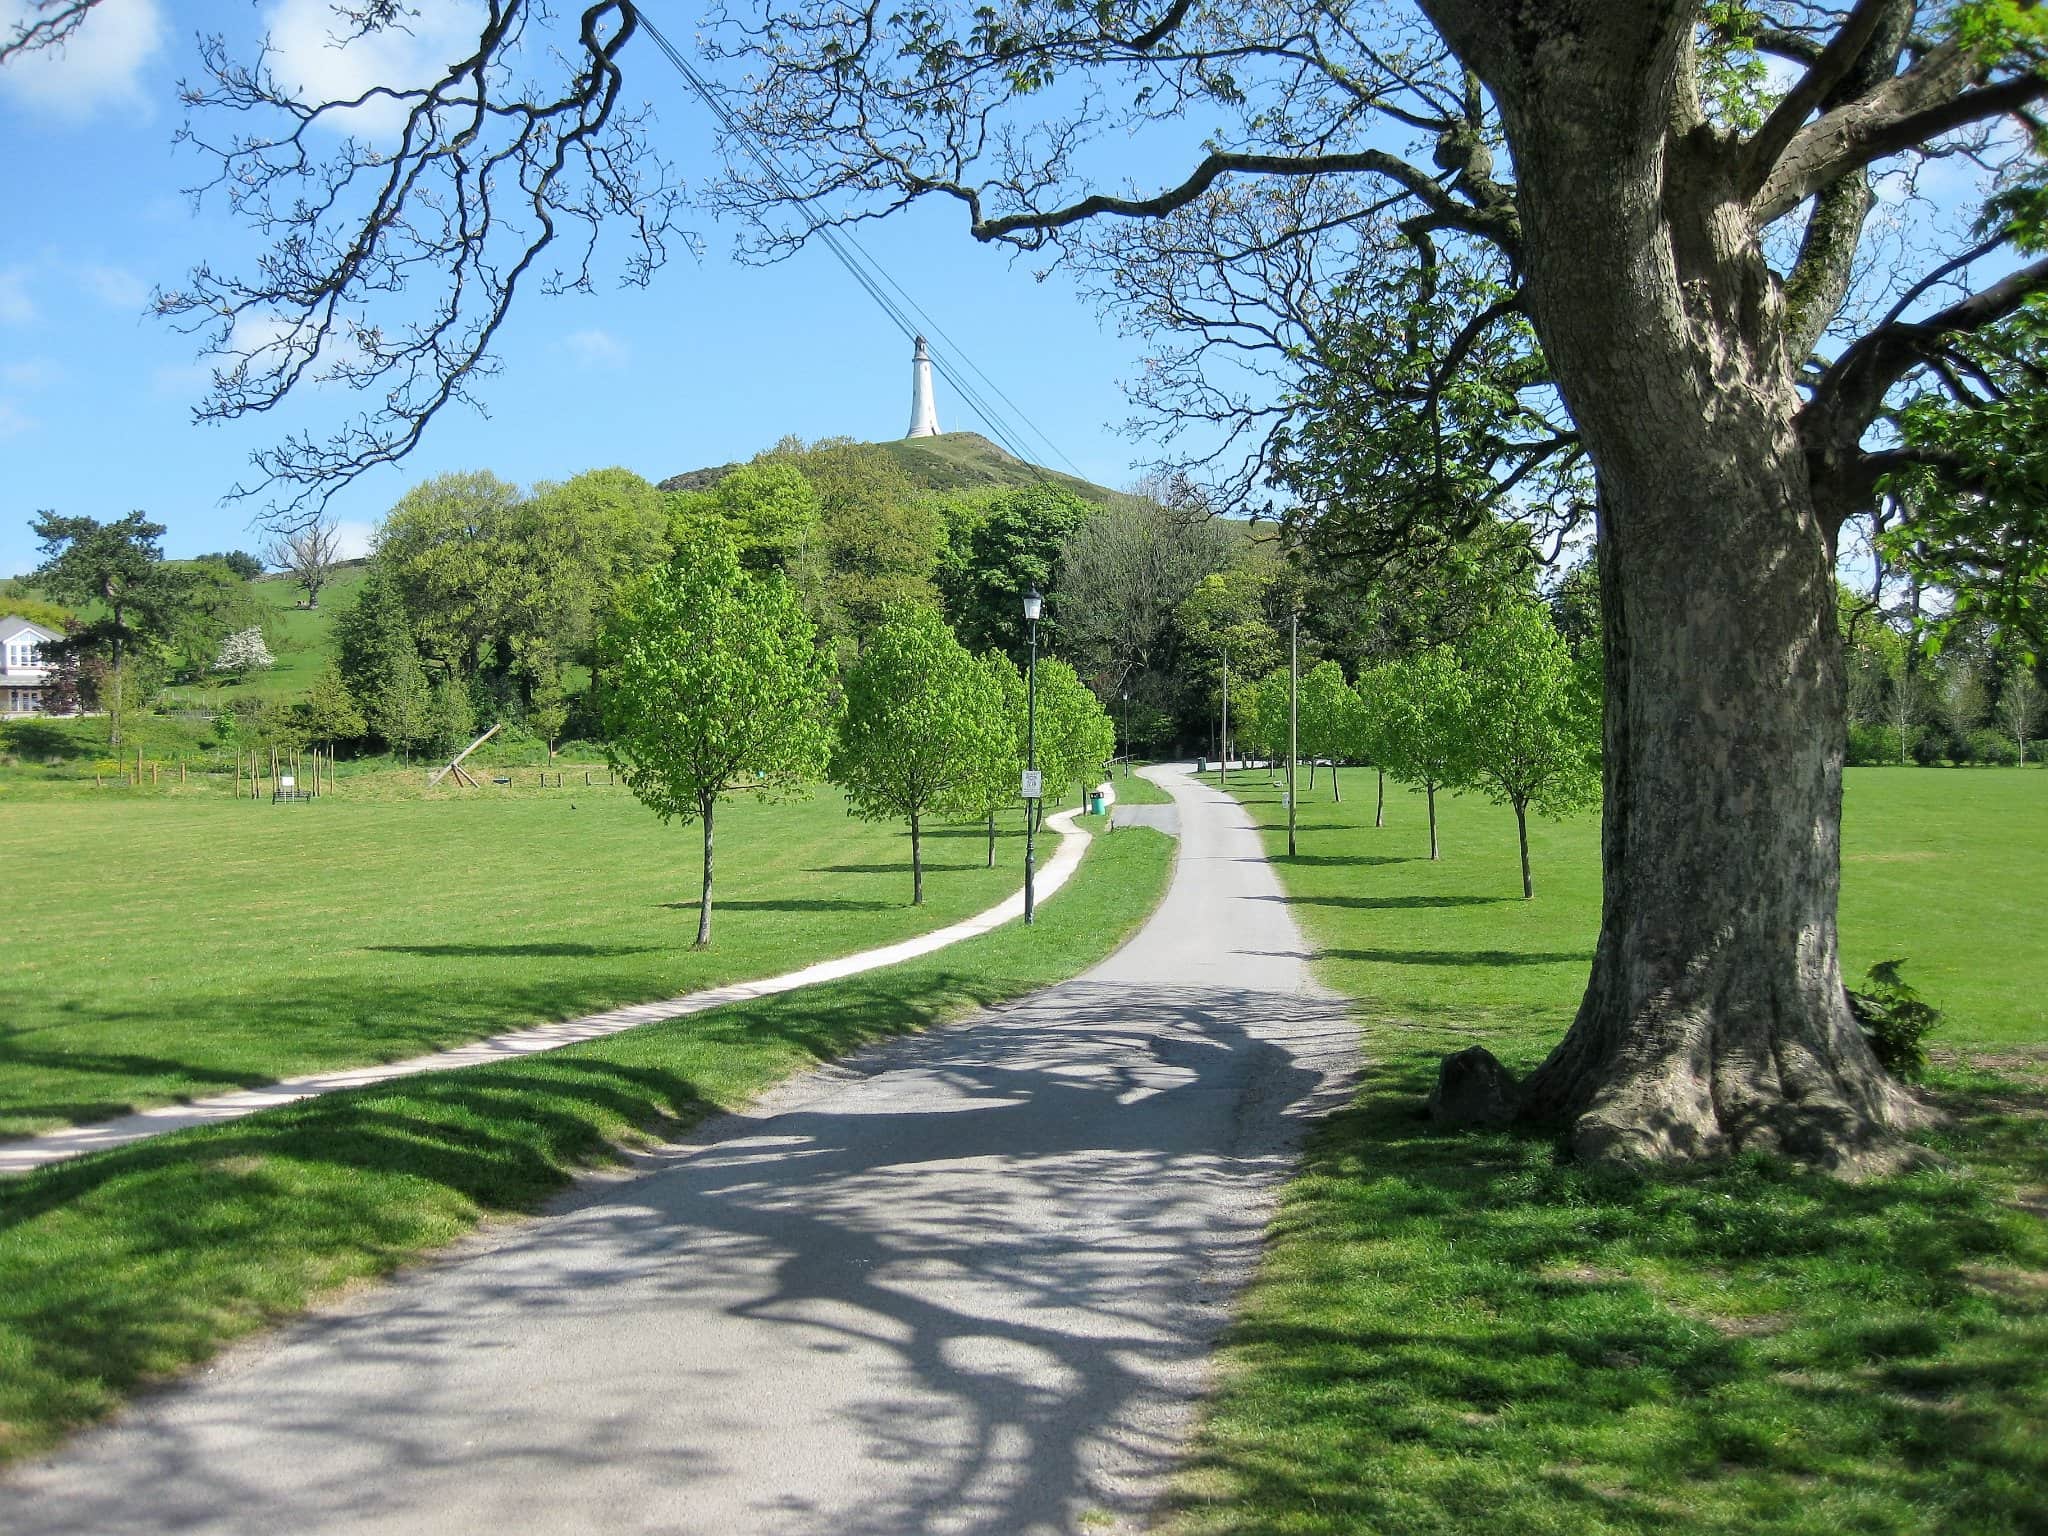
x=13 y=626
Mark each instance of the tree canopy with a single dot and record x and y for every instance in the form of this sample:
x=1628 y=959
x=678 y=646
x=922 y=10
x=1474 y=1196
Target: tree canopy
x=714 y=683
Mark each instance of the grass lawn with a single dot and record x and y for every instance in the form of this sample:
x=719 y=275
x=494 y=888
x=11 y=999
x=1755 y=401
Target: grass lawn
x=1463 y=1333
x=167 y=946
x=129 y=1265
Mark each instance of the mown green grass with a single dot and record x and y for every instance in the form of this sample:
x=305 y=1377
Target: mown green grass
x=130 y=1265
x=165 y=947
x=1469 y=1333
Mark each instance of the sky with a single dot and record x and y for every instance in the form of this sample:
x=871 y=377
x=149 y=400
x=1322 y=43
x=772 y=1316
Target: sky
x=712 y=362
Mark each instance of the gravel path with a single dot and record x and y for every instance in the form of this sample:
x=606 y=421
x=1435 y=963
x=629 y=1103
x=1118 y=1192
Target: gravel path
x=968 y=1281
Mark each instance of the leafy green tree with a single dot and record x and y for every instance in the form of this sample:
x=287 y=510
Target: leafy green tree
x=1075 y=737
x=211 y=604
x=1122 y=578
x=547 y=699
x=923 y=719
x=769 y=509
x=1422 y=725
x=1533 y=731
x=328 y=713
x=999 y=756
x=382 y=669
x=878 y=539
x=1368 y=730
x=240 y=561
x=714 y=683
x=118 y=565
x=1326 y=728
x=451 y=714
x=1261 y=709
x=1011 y=546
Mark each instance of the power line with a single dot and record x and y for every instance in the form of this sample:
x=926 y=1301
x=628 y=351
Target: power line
x=869 y=273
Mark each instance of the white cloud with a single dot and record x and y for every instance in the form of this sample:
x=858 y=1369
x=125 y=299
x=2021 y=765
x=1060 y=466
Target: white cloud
x=98 y=66
x=310 y=57
x=116 y=286
x=597 y=349
x=353 y=540
x=16 y=307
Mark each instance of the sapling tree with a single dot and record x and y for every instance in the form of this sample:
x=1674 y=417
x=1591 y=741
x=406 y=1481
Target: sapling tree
x=1327 y=703
x=714 y=682
x=923 y=721
x=2019 y=707
x=1369 y=742
x=998 y=758
x=1424 y=712
x=1533 y=731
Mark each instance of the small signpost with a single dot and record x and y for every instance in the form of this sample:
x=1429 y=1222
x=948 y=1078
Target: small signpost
x=1034 y=783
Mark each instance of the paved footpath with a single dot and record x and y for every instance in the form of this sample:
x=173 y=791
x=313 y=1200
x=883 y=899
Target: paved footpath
x=968 y=1281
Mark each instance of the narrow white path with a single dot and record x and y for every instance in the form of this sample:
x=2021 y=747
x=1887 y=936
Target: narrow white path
x=76 y=1140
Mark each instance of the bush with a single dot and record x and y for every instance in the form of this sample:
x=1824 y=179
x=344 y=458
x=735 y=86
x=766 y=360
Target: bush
x=1873 y=745
x=1989 y=746
x=1894 y=1019
x=1929 y=748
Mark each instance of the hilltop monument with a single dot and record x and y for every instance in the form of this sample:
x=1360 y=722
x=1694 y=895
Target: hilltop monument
x=924 y=416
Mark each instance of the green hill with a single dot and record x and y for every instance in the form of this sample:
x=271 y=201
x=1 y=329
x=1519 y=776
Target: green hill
x=952 y=461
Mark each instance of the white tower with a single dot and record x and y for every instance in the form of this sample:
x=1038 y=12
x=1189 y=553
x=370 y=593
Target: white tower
x=924 y=416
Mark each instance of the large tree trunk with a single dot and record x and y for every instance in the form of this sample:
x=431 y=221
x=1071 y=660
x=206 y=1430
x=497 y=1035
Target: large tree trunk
x=1715 y=1018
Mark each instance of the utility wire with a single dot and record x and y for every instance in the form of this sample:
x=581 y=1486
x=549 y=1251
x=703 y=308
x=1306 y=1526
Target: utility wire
x=867 y=272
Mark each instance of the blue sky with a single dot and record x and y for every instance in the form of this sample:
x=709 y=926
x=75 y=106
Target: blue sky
x=712 y=362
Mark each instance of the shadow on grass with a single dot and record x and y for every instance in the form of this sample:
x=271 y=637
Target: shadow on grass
x=1456 y=957
x=536 y=951
x=790 y=904
x=32 y=738
x=1391 y=903
x=1453 y=1326
x=1355 y=860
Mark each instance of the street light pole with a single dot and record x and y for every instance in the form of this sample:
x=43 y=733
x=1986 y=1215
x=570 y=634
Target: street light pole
x=1127 y=733
x=1223 y=757
x=1033 y=605
x=1293 y=719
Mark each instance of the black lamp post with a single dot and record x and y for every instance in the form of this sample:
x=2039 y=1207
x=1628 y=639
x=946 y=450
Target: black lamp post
x=1034 y=604
x=1127 y=733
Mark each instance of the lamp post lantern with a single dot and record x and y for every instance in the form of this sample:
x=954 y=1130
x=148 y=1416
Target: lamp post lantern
x=1034 y=604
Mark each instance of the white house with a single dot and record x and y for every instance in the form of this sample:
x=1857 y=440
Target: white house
x=23 y=676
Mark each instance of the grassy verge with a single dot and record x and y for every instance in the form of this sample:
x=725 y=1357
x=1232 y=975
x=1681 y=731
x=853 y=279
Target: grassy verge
x=1467 y=1334
x=1138 y=790
x=170 y=949
x=133 y=1264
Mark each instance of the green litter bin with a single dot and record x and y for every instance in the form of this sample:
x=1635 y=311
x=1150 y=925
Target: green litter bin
x=1201 y=765
x=1094 y=802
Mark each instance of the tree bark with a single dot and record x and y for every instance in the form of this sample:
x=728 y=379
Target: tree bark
x=1379 y=810
x=1336 y=789
x=1522 y=833
x=1430 y=790
x=1715 y=1017
x=706 y=808
x=991 y=839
